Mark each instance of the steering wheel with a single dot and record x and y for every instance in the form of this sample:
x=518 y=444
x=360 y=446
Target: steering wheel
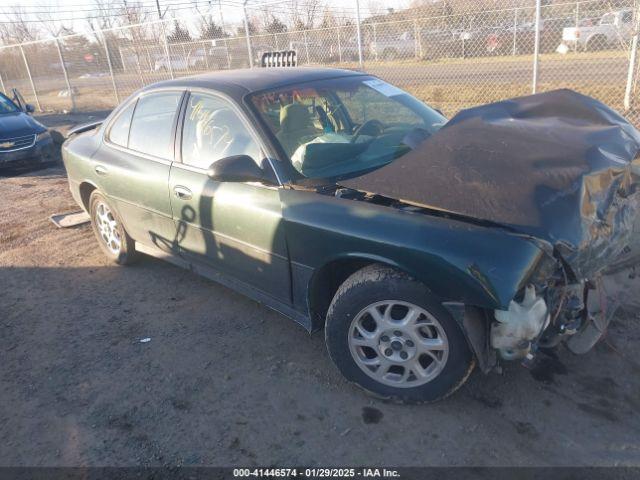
x=373 y=123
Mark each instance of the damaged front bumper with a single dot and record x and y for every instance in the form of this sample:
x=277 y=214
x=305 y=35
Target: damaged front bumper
x=552 y=308
x=561 y=309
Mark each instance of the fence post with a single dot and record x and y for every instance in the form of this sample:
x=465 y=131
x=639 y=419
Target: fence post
x=149 y=64
x=187 y=57
x=246 y=32
x=632 y=63
x=339 y=47
x=66 y=75
x=536 y=49
x=418 y=39
x=205 y=51
x=113 y=79
x=226 y=46
x=4 y=90
x=166 y=49
x=575 y=44
x=33 y=87
x=515 y=33
x=375 y=41
x=359 y=33
x=306 y=45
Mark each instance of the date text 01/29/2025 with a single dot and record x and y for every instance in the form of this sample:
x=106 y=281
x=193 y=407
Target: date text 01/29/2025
x=315 y=472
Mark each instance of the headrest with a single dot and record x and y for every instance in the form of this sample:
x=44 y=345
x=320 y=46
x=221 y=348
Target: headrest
x=294 y=117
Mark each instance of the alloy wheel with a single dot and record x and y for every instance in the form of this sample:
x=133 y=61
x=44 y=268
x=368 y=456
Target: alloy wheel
x=398 y=343
x=108 y=228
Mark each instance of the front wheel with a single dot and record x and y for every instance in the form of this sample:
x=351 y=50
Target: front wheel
x=114 y=241
x=389 y=335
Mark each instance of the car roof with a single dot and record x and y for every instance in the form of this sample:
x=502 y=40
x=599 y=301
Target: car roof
x=243 y=81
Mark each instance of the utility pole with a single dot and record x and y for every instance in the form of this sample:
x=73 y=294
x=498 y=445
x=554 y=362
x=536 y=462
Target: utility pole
x=167 y=53
x=628 y=91
x=246 y=31
x=221 y=17
x=359 y=34
x=224 y=33
x=536 y=49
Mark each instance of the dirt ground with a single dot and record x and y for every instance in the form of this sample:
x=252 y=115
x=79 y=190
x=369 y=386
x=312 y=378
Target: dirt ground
x=225 y=381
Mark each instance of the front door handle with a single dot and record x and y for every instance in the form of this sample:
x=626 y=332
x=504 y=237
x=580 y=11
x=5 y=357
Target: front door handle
x=100 y=170
x=183 y=193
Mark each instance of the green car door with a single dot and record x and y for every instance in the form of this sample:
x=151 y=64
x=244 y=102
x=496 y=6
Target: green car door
x=234 y=227
x=133 y=164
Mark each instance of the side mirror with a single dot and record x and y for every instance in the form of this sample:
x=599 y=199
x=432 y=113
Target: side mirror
x=237 y=168
x=28 y=108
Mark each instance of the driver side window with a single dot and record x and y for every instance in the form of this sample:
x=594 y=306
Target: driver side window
x=213 y=130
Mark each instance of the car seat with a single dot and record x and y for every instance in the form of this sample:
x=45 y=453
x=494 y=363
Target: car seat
x=296 y=127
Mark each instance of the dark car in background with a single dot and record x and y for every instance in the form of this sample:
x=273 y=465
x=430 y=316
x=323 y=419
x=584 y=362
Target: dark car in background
x=422 y=246
x=24 y=142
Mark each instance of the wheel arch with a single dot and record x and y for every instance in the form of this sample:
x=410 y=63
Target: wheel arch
x=86 y=188
x=326 y=280
x=474 y=321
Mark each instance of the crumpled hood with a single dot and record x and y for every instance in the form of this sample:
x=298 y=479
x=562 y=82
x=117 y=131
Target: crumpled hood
x=18 y=124
x=559 y=166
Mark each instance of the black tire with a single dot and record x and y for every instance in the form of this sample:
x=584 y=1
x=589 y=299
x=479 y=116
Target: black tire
x=378 y=283
x=127 y=252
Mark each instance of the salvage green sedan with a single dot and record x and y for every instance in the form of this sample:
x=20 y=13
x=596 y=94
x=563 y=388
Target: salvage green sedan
x=423 y=247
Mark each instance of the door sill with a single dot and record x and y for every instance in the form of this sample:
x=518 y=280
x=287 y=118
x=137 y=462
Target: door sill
x=230 y=282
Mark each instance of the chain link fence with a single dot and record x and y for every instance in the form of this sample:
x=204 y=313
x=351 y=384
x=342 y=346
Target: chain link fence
x=451 y=61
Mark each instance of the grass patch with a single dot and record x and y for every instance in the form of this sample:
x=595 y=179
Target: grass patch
x=453 y=98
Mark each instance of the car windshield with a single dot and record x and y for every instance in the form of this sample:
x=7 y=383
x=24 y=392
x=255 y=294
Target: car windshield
x=7 y=106
x=345 y=127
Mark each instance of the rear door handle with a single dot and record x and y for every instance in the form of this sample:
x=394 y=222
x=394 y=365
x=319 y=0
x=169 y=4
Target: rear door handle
x=100 y=170
x=183 y=193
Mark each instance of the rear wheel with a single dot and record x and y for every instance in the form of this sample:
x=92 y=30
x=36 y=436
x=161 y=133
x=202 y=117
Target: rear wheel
x=388 y=334
x=109 y=231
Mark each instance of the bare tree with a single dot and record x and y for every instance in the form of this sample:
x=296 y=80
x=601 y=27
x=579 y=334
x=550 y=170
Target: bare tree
x=18 y=28
x=305 y=12
x=105 y=16
x=51 y=22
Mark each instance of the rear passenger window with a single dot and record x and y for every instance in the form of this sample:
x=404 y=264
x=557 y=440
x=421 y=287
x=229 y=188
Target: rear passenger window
x=152 y=123
x=119 y=131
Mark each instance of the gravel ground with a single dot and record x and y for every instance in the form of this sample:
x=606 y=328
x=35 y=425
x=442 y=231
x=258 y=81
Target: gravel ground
x=226 y=381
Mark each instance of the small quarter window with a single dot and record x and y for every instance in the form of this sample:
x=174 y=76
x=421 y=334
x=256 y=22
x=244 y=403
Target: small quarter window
x=152 y=124
x=119 y=131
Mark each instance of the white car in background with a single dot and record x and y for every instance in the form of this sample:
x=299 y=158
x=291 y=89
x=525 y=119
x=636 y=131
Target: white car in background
x=612 y=29
x=194 y=60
